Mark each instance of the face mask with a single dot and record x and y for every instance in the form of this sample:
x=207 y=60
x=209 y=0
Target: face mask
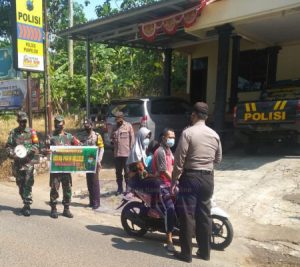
x=22 y=124
x=119 y=123
x=88 y=129
x=90 y=161
x=59 y=127
x=146 y=142
x=170 y=142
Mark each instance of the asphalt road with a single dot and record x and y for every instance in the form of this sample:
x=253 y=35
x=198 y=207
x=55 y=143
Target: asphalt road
x=89 y=239
x=260 y=193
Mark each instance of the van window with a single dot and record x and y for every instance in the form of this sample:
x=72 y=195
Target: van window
x=169 y=107
x=130 y=109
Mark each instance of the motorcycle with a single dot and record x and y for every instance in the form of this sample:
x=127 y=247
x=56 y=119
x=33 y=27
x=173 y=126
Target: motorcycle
x=136 y=221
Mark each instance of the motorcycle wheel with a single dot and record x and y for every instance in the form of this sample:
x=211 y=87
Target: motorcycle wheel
x=222 y=232
x=130 y=210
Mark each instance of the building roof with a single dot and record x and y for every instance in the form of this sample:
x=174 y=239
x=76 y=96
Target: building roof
x=123 y=28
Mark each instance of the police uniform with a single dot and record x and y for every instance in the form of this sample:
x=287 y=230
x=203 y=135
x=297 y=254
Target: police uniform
x=198 y=149
x=122 y=137
x=59 y=138
x=23 y=167
x=93 y=139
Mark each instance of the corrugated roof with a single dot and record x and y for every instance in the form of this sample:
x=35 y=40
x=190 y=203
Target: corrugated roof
x=122 y=28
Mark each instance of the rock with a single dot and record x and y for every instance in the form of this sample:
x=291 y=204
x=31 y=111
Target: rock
x=12 y=179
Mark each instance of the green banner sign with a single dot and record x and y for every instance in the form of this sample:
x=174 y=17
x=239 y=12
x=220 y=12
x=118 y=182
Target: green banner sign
x=65 y=159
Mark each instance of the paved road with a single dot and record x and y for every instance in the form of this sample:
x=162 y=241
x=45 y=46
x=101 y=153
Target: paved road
x=89 y=239
x=260 y=193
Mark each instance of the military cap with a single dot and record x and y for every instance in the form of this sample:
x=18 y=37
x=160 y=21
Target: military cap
x=59 y=118
x=22 y=116
x=201 y=107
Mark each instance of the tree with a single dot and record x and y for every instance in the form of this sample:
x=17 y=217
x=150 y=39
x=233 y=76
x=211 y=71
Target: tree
x=5 y=21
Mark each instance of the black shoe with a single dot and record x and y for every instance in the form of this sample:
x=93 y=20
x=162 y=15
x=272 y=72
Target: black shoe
x=201 y=256
x=67 y=213
x=119 y=192
x=53 y=213
x=181 y=257
x=26 y=210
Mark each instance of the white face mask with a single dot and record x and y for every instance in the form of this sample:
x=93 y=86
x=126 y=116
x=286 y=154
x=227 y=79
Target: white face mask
x=170 y=142
x=146 y=142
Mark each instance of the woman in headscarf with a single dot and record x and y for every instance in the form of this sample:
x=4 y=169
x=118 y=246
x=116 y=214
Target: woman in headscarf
x=138 y=176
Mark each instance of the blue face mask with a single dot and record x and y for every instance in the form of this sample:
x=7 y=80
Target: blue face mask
x=146 y=142
x=170 y=142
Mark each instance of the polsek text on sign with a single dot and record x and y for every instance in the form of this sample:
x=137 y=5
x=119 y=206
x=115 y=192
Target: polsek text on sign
x=30 y=49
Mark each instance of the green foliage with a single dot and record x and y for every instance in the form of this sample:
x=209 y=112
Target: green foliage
x=116 y=72
x=5 y=19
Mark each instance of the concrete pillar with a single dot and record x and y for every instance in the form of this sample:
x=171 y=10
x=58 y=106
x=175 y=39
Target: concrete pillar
x=236 y=40
x=224 y=32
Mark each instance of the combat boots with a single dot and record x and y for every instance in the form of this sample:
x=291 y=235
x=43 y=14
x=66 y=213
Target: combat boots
x=26 y=210
x=53 y=213
x=67 y=213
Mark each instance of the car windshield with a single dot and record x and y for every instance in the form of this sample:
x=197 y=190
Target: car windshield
x=129 y=109
x=169 y=107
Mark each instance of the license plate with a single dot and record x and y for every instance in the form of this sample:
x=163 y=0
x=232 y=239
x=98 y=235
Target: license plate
x=264 y=128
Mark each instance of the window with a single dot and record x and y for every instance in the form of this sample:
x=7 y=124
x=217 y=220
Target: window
x=252 y=70
x=130 y=109
x=169 y=107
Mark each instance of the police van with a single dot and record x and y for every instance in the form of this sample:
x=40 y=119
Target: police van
x=275 y=117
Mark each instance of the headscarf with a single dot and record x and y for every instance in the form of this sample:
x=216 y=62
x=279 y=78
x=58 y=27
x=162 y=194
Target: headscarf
x=138 y=151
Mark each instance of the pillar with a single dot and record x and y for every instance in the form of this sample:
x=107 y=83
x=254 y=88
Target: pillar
x=224 y=33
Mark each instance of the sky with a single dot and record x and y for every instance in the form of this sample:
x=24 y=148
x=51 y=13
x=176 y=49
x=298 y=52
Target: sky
x=90 y=9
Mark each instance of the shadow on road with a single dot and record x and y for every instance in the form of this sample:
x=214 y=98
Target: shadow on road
x=17 y=211
x=147 y=244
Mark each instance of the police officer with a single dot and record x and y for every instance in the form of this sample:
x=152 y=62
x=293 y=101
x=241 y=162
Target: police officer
x=122 y=138
x=91 y=138
x=23 y=167
x=198 y=149
x=61 y=138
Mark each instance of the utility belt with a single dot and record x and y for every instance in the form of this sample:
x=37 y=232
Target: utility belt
x=207 y=172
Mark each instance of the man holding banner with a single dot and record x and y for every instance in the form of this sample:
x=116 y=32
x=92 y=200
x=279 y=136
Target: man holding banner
x=91 y=138
x=61 y=138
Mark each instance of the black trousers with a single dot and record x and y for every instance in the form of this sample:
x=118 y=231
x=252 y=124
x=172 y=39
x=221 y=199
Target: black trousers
x=92 y=181
x=120 y=165
x=193 y=207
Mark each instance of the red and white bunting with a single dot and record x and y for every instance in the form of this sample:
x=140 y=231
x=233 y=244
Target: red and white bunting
x=170 y=24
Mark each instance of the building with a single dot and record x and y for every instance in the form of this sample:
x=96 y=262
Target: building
x=235 y=48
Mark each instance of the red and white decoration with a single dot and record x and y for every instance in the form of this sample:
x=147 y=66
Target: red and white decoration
x=170 y=24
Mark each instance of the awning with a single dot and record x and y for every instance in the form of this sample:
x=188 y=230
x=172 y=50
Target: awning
x=161 y=23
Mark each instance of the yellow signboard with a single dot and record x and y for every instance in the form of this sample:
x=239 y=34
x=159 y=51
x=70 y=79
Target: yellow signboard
x=29 y=27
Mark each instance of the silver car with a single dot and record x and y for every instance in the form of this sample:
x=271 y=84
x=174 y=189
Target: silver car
x=155 y=113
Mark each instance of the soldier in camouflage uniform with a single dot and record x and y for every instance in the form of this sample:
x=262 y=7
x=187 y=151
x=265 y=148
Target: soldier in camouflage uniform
x=23 y=167
x=61 y=138
x=91 y=138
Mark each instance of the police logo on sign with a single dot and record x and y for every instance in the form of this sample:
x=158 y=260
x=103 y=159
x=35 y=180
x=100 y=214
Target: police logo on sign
x=29 y=5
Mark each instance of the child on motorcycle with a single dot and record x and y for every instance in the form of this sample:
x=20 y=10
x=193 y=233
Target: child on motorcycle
x=153 y=145
x=138 y=176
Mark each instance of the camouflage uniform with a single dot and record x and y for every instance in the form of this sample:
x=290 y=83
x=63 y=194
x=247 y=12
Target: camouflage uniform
x=23 y=168
x=64 y=139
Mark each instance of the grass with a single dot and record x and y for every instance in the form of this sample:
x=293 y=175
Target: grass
x=8 y=122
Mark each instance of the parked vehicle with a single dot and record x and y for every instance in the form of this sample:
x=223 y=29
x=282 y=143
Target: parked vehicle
x=136 y=222
x=276 y=117
x=155 y=113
